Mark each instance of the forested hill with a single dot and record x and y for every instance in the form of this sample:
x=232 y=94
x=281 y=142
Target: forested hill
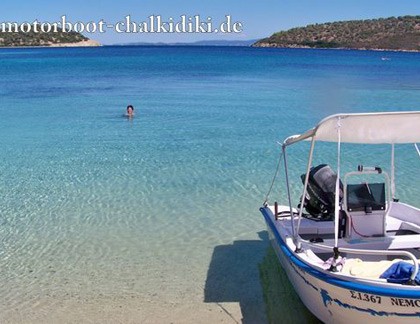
x=60 y=38
x=394 y=33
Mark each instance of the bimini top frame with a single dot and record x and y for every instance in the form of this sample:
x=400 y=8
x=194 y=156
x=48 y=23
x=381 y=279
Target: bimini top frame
x=363 y=128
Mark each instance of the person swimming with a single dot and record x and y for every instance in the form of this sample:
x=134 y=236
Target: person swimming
x=130 y=111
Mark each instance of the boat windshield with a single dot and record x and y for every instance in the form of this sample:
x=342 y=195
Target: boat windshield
x=361 y=197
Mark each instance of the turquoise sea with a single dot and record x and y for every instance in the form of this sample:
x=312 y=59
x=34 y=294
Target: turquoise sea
x=161 y=211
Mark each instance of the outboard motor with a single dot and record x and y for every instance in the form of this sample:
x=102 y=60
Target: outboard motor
x=320 y=196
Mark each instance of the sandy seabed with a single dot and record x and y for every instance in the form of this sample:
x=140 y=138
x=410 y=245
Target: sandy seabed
x=123 y=310
x=269 y=298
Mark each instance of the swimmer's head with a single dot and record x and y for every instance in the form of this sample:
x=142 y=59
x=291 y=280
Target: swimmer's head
x=130 y=109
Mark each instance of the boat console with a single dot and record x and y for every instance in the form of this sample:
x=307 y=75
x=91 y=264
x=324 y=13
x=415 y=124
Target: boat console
x=365 y=204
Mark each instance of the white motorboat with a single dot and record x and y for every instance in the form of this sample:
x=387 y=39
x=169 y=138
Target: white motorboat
x=349 y=247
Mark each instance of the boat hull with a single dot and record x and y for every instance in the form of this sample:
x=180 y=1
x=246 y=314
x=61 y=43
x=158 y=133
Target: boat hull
x=334 y=300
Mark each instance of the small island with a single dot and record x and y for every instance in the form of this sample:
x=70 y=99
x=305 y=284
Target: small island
x=394 y=33
x=41 y=39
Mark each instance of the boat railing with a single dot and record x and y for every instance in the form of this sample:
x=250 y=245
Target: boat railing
x=371 y=252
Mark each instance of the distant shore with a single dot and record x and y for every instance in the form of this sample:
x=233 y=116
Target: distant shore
x=93 y=43
x=85 y=43
x=381 y=34
x=270 y=45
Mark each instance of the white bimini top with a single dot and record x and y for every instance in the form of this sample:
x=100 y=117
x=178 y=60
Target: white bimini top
x=365 y=128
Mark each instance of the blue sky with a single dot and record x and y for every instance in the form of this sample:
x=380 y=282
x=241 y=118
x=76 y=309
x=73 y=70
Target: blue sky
x=259 y=18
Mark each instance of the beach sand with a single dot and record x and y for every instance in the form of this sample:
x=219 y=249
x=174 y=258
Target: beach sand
x=260 y=293
x=86 y=43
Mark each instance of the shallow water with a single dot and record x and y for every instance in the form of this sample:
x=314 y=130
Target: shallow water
x=98 y=207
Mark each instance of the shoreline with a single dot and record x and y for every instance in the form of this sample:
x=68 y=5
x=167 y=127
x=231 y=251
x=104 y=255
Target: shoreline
x=268 y=45
x=92 y=43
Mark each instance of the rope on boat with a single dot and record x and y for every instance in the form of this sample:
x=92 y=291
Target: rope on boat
x=274 y=178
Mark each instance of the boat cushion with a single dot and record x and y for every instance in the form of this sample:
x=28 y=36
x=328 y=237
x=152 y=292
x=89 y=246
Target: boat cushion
x=400 y=272
x=366 y=269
